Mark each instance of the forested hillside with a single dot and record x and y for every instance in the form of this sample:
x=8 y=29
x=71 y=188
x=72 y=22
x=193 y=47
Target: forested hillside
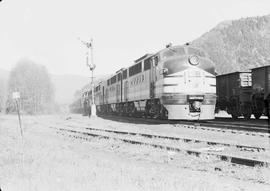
x=238 y=45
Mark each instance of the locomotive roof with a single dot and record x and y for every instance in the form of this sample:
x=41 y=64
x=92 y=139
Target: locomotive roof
x=185 y=47
x=143 y=57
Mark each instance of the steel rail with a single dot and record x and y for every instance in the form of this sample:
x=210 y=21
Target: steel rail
x=252 y=148
x=223 y=157
x=202 y=124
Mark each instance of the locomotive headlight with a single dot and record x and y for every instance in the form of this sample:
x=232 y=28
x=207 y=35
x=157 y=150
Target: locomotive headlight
x=193 y=60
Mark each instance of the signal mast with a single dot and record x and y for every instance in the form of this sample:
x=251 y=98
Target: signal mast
x=92 y=66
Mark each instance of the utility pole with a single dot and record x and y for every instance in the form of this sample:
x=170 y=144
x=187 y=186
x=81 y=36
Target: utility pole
x=92 y=67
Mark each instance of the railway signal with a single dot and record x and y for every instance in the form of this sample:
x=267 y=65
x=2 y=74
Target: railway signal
x=92 y=66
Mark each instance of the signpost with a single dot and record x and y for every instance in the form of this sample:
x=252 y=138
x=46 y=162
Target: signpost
x=16 y=97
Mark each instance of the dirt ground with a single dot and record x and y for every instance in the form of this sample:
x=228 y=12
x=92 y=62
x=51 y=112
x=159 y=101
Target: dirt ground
x=46 y=160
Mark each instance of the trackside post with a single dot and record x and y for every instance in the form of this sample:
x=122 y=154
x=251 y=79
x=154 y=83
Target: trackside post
x=16 y=97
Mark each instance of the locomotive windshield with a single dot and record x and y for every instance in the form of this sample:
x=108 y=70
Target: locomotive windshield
x=179 y=64
x=196 y=52
x=173 y=52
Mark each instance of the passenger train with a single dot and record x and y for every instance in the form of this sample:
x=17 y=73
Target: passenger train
x=177 y=82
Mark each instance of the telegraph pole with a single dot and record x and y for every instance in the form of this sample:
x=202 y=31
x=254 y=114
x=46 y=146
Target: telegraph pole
x=92 y=67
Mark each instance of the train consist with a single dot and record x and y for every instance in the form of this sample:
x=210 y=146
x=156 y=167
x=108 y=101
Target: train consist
x=177 y=82
x=244 y=93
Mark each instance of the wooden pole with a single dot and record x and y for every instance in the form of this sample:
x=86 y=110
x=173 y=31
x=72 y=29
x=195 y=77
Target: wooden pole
x=19 y=117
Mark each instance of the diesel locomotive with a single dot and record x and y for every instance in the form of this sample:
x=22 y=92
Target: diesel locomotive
x=177 y=82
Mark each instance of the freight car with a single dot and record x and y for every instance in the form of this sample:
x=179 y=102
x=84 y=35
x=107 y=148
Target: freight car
x=177 y=82
x=244 y=93
x=233 y=94
x=260 y=91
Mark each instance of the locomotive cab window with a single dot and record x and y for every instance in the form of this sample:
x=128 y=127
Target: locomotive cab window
x=135 y=69
x=156 y=60
x=124 y=74
x=119 y=77
x=147 y=64
x=113 y=80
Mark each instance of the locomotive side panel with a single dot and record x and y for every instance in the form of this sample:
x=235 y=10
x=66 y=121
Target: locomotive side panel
x=139 y=83
x=118 y=91
x=138 y=87
x=145 y=87
x=126 y=90
x=112 y=90
x=134 y=81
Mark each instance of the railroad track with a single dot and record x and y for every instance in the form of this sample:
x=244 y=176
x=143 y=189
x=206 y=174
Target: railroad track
x=187 y=140
x=211 y=125
x=132 y=138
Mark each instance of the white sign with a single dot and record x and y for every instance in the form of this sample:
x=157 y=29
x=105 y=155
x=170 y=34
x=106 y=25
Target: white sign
x=16 y=95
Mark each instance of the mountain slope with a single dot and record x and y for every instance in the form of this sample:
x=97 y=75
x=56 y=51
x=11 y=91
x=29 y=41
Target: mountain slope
x=238 y=45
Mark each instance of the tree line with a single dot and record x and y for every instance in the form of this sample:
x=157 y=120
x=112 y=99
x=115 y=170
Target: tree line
x=35 y=87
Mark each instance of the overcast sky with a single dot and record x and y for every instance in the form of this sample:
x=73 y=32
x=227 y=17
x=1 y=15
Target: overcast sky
x=123 y=30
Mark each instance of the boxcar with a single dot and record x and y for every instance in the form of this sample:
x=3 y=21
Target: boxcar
x=260 y=90
x=233 y=94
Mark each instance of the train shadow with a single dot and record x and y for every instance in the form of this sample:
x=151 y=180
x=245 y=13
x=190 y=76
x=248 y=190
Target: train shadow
x=146 y=121
x=263 y=123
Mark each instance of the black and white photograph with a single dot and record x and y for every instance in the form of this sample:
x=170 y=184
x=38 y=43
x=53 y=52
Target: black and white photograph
x=134 y=95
